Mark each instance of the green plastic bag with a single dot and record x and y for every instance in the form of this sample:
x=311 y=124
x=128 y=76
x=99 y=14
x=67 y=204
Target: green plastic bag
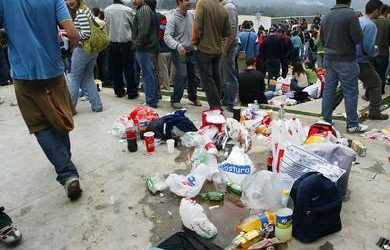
x=98 y=40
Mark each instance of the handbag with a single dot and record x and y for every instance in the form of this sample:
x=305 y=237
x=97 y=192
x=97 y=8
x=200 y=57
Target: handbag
x=61 y=121
x=98 y=40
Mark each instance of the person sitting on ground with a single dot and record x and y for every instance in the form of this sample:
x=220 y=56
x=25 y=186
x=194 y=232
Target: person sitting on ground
x=251 y=84
x=310 y=72
x=299 y=80
x=9 y=233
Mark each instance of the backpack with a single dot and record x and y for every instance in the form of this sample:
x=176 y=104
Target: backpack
x=317 y=206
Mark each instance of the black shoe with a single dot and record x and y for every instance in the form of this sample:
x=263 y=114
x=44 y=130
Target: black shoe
x=121 y=95
x=72 y=188
x=132 y=97
x=9 y=234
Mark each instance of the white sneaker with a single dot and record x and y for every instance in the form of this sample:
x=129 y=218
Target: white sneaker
x=361 y=128
x=83 y=98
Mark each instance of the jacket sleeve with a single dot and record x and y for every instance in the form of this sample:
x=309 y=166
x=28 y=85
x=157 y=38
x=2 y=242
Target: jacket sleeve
x=233 y=18
x=369 y=38
x=356 y=30
x=197 y=28
x=169 y=33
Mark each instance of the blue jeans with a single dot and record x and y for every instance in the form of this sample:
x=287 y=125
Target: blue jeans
x=381 y=63
x=81 y=75
x=56 y=146
x=148 y=67
x=186 y=74
x=347 y=73
x=229 y=76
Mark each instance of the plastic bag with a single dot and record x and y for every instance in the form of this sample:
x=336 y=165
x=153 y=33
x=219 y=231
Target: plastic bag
x=201 y=156
x=150 y=113
x=283 y=133
x=156 y=184
x=119 y=127
x=188 y=186
x=203 y=137
x=194 y=218
x=237 y=166
x=264 y=190
x=297 y=161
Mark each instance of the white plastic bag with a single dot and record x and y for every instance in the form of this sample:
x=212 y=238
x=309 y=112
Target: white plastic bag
x=156 y=184
x=119 y=127
x=194 y=218
x=237 y=166
x=264 y=190
x=188 y=186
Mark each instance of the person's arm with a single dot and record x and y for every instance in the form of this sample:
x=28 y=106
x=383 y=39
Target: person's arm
x=227 y=32
x=64 y=21
x=355 y=30
x=169 y=33
x=369 y=39
x=197 y=28
x=107 y=20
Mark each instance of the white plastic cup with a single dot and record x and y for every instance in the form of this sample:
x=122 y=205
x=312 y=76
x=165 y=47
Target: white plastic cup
x=171 y=146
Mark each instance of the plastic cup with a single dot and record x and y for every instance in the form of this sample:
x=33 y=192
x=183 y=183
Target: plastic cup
x=149 y=142
x=171 y=146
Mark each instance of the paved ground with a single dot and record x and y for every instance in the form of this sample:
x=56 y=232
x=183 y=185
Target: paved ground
x=117 y=212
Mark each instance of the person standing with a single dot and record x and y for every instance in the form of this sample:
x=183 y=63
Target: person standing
x=81 y=73
x=287 y=49
x=24 y=23
x=272 y=52
x=383 y=42
x=178 y=38
x=228 y=61
x=119 y=28
x=163 y=55
x=211 y=25
x=145 y=43
x=365 y=51
x=340 y=33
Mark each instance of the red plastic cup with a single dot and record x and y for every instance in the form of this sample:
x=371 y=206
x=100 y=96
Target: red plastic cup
x=149 y=141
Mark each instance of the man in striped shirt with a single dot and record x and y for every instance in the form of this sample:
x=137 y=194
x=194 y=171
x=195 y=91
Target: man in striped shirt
x=145 y=44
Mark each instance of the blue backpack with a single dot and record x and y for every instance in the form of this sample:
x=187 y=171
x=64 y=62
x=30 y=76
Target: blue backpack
x=317 y=206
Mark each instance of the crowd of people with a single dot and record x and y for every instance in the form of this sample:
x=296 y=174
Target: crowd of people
x=205 y=48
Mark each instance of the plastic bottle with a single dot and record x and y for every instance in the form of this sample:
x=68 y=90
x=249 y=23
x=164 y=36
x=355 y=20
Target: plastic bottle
x=255 y=106
x=249 y=224
x=219 y=182
x=282 y=112
x=283 y=229
x=247 y=237
x=131 y=136
x=237 y=108
x=234 y=188
x=142 y=122
x=212 y=196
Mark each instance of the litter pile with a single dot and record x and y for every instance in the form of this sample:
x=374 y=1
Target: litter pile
x=299 y=196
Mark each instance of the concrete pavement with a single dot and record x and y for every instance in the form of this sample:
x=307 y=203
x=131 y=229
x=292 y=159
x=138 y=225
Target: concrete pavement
x=117 y=212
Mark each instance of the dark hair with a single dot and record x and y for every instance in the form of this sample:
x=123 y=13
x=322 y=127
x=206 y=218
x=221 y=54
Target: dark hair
x=118 y=1
x=250 y=61
x=343 y=1
x=309 y=65
x=298 y=68
x=373 y=5
x=96 y=11
x=152 y=4
x=246 y=25
x=385 y=9
x=177 y=1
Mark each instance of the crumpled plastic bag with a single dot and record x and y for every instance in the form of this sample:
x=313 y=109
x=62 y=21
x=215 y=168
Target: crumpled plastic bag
x=188 y=186
x=264 y=190
x=194 y=218
x=150 y=113
x=237 y=166
x=119 y=127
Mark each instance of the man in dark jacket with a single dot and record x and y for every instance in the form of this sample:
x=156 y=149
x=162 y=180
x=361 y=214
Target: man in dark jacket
x=340 y=33
x=145 y=43
x=272 y=52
